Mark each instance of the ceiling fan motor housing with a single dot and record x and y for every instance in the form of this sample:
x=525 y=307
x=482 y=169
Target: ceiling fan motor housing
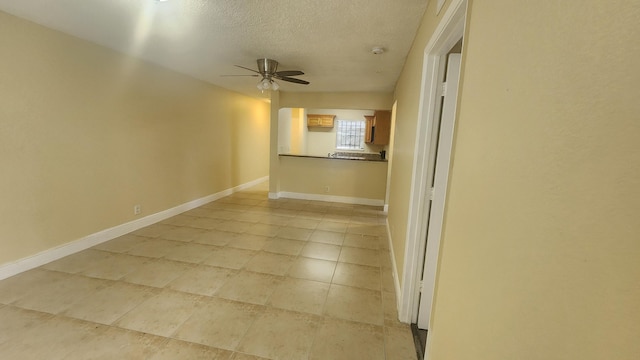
x=267 y=66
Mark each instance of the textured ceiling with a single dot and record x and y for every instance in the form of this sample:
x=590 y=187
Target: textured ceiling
x=329 y=40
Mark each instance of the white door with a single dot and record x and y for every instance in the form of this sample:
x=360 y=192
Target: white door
x=438 y=193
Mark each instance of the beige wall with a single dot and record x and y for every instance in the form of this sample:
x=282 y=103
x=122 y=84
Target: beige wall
x=86 y=133
x=540 y=252
x=347 y=178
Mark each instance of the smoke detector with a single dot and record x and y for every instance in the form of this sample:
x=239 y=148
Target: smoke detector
x=377 y=50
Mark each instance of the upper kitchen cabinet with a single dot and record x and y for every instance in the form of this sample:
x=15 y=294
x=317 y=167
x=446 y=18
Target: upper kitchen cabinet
x=314 y=120
x=378 y=128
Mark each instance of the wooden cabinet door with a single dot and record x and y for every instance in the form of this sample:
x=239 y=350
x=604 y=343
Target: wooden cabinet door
x=368 y=130
x=314 y=120
x=382 y=124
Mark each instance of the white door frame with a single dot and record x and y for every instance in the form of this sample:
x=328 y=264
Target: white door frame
x=449 y=30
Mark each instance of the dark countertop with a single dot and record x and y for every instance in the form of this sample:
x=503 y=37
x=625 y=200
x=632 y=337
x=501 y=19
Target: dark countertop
x=357 y=158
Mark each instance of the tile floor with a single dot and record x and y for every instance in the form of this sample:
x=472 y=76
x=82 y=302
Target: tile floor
x=240 y=278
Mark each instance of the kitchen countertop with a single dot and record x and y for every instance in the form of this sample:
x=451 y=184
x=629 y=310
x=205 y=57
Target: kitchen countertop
x=339 y=157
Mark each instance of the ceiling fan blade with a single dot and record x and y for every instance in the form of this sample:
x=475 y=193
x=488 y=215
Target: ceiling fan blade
x=246 y=68
x=239 y=75
x=293 y=80
x=289 y=73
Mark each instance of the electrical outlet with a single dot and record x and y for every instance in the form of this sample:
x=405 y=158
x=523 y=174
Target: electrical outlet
x=137 y=210
x=326 y=188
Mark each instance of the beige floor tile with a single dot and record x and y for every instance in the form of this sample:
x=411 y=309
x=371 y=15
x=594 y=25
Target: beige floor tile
x=154 y=230
x=182 y=233
x=205 y=223
x=249 y=287
x=280 y=335
x=58 y=296
x=241 y=356
x=366 y=219
x=283 y=246
x=398 y=342
x=360 y=256
x=222 y=212
x=327 y=237
x=344 y=340
x=154 y=248
x=157 y=273
x=335 y=226
x=274 y=219
x=367 y=229
x=359 y=276
x=14 y=322
x=312 y=269
x=181 y=350
x=389 y=306
x=121 y=244
x=180 y=220
x=77 y=262
x=54 y=339
x=115 y=267
x=263 y=229
x=339 y=215
x=321 y=251
x=248 y=242
x=215 y=237
x=219 y=323
x=234 y=226
x=251 y=217
x=21 y=285
x=106 y=343
x=229 y=258
x=293 y=233
x=270 y=263
x=161 y=314
x=108 y=304
x=201 y=212
x=354 y=304
x=190 y=252
x=300 y=295
x=208 y=274
x=303 y=223
x=203 y=280
x=388 y=282
x=362 y=241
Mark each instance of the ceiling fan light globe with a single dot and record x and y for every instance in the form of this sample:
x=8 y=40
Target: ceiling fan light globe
x=275 y=86
x=266 y=83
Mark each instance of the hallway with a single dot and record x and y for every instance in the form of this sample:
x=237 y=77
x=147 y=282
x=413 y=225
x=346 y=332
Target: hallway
x=243 y=277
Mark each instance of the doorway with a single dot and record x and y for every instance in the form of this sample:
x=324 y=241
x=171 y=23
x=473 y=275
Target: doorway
x=438 y=169
x=431 y=167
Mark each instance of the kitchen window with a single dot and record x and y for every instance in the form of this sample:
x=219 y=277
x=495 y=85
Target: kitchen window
x=350 y=135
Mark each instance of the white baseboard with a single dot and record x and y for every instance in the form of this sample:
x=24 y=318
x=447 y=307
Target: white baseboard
x=330 y=198
x=49 y=255
x=396 y=279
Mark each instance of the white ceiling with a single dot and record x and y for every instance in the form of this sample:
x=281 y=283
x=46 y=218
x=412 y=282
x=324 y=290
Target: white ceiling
x=330 y=40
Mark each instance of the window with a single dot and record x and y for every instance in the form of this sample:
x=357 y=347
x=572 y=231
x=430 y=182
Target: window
x=350 y=135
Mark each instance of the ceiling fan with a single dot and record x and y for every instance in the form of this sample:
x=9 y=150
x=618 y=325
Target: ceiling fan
x=267 y=68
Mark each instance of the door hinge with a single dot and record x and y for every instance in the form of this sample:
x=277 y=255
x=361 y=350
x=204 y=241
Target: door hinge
x=432 y=192
x=444 y=89
x=421 y=286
